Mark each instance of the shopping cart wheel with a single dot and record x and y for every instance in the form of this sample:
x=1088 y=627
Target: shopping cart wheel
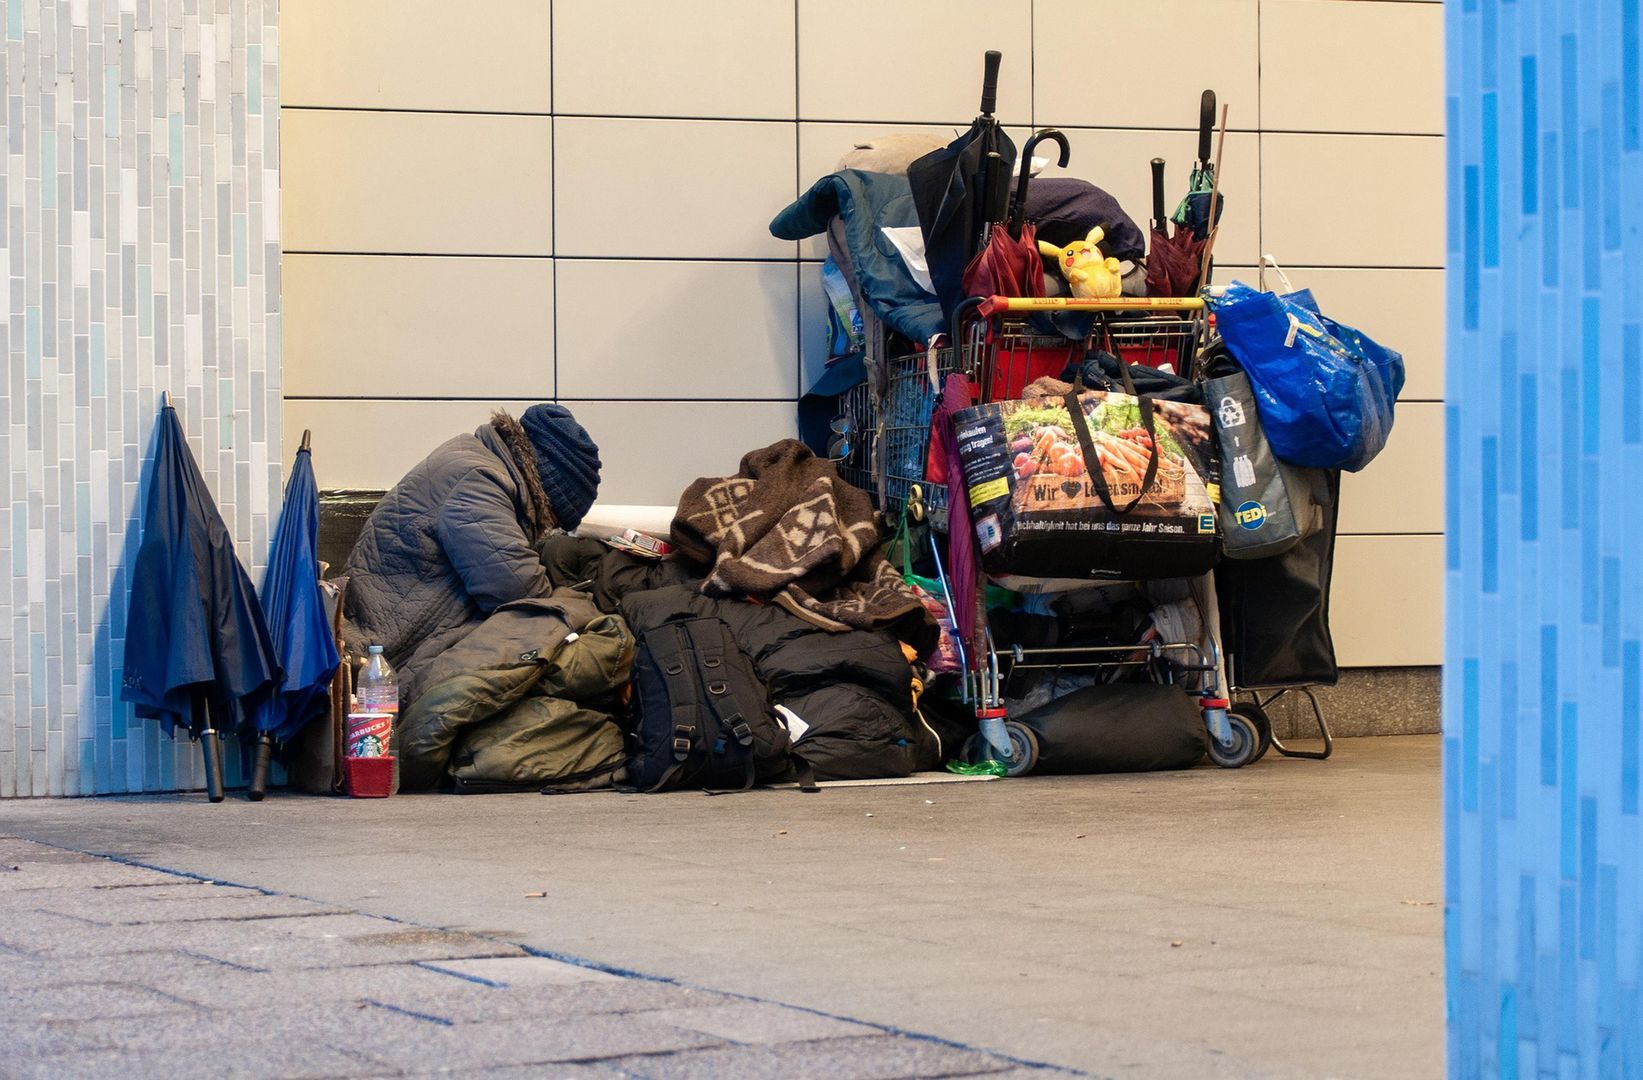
x=1023 y=749
x=1263 y=726
x=1244 y=748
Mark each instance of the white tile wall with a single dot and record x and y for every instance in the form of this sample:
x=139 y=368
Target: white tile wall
x=694 y=336
x=730 y=58
x=1352 y=200
x=678 y=131
x=916 y=62
x=1118 y=63
x=358 y=443
x=1402 y=489
x=412 y=54
x=386 y=182
x=1344 y=65
x=400 y=326
x=1386 y=606
x=645 y=189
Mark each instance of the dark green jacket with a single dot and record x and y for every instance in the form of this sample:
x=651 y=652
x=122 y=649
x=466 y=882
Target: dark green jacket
x=525 y=700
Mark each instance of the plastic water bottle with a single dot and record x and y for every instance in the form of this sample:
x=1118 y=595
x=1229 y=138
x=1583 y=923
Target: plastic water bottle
x=378 y=685
x=378 y=698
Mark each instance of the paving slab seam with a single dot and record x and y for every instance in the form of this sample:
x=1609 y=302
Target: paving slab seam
x=433 y=965
x=581 y=962
x=412 y=1013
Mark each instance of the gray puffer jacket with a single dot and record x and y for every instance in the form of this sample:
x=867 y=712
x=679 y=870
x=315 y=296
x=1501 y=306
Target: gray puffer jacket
x=452 y=542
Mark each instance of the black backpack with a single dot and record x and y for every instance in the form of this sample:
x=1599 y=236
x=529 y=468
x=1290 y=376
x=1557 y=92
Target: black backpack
x=703 y=717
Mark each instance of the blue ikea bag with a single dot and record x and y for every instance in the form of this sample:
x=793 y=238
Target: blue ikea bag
x=1325 y=390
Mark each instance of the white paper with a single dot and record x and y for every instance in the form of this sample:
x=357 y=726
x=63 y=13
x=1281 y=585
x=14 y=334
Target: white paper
x=796 y=727
x=909 y=242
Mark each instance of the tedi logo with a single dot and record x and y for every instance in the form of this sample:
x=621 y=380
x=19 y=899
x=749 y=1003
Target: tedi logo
x=1251 y=515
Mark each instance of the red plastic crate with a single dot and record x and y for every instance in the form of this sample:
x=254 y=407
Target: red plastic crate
x=369 y=777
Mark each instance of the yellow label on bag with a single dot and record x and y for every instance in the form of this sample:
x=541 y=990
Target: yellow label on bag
x=1214 y=492
x=992 y=489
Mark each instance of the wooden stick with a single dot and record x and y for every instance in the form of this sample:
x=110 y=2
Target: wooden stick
x=1214 y=202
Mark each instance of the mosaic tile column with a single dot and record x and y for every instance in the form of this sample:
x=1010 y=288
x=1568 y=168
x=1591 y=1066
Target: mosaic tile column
x=1543 y=675
x=140 y=248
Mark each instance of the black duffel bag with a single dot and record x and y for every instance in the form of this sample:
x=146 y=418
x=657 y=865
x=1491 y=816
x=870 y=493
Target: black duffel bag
x=1119 y=727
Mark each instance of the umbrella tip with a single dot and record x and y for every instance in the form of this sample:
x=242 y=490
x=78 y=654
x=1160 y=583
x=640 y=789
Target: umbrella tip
x=307 y=435
x=165 y=399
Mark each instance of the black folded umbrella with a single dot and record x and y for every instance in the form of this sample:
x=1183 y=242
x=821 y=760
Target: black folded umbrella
x=197 y=650
x=959 y=191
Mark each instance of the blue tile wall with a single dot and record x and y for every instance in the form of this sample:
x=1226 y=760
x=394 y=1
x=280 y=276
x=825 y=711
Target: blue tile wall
x=139 y=252
x=1543 y=676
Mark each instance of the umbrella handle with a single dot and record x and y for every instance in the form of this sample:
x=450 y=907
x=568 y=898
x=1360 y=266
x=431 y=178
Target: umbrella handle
x=1206 y=124
x=989 y=81
x=213 y=764
x=259 y=770
x=1158 y=219
x=1018 y=203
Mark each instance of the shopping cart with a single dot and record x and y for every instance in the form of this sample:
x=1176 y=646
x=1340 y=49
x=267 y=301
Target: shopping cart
x=1001 y=350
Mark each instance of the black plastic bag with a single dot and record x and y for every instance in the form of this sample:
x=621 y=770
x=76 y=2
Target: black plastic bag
x=1118 y=727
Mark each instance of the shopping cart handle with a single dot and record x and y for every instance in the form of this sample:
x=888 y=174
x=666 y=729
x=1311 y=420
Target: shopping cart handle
x=992 y=305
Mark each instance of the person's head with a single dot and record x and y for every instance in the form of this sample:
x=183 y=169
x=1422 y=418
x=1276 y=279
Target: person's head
x=567 y=458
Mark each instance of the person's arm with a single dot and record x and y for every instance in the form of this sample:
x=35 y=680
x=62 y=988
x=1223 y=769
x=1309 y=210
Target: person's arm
x=480 y=532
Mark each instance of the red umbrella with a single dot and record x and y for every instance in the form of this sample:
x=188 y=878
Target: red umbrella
x=1006 y=266
x=1172 y=261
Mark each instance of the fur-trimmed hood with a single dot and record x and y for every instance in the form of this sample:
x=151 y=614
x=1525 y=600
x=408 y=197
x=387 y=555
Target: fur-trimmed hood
x=524 y=460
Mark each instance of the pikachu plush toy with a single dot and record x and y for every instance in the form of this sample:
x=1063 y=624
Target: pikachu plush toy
x=1090 y=276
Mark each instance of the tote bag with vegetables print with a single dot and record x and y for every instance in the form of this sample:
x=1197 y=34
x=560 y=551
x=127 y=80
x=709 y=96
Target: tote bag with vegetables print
x=1147 y=508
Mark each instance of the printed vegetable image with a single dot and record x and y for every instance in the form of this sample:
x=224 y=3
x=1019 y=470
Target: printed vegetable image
x=1042 y=441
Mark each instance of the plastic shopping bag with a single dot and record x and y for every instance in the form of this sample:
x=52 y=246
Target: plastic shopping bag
x=1267 y=506
x=1325 y=390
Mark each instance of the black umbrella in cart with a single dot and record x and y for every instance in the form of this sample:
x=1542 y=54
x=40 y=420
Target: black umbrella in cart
x=295 y=608
x=960 y=190
x=197 y=650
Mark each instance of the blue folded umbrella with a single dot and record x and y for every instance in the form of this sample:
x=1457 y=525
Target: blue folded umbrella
x=197 y=649
x=295 y=608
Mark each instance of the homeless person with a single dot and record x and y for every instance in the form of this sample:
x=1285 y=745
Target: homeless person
x=458 y=536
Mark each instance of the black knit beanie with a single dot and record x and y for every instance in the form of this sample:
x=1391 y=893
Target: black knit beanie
x=567 y=458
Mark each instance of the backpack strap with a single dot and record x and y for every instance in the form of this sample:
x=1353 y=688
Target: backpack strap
x=675 y=661
x=707 y=636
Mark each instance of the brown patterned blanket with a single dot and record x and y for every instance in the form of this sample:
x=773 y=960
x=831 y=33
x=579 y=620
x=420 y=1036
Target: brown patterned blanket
x=787 y=530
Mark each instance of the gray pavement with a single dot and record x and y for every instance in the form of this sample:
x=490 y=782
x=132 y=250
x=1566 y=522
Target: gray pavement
x=1278 y=921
